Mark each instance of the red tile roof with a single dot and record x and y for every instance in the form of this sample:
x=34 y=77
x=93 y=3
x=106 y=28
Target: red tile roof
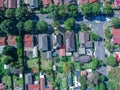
x=62 y=51
x=2 y=41
x=11 y=40
x=118 y=3
x=1 y=3
x=12 y=3
x=116 y=35
x=33 y=87
x=47 y=2
x=117 y=57
x=2 y=87
x=28 y=41
x=92 y=1
x=83 y=1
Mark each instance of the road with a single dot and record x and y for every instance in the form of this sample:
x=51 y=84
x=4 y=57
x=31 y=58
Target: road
x=97 y=28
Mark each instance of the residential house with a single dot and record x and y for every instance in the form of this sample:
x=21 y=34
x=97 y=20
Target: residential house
x=11 y=40
x=92 y=1
x=117 y=2
x=42 y=85
x=12 y=3
x=84 y=37
x=46 y=3
x=2 y=44
x=57 y=2
x=62 y=51
x=1 y=4
x=70 y=42
x=116 y=36
x=31 y=3
x=44 y=42
x=81 y=58
x=81 y=2
x=29 y=47
x=82 y=51
x=3 y=87
x=28 y=79
x=56 y=41
x=70 y=2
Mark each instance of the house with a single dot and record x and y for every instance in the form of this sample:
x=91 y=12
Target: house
x=116 y=36
x=31 y=3
x=70 y=2
x=1 y=4
x=56 y=41
x=46 y=3
x=70 y=42
x=42 y=85
x=44 y=42
x=3 y=86
x=84 y=37
x=81 y=2
x=12 y=3
x=62 y=51
x=2 y=44
x=117 y=2
x=92 y=1
x=89 y=44
x=82 y=51
x=11 y=40
x=57 y=2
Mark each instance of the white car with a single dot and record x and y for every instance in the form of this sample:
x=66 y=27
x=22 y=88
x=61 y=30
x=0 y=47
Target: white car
x=96 y=21
x=108 y=19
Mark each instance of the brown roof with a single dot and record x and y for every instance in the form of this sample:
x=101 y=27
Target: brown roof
x=83 y=37
x=2 y=41
x=83 y=1
x=47 y=2
x=12 y=3
x=28 y=41
x=11 y=40
x=1 y=3
x=57 y=2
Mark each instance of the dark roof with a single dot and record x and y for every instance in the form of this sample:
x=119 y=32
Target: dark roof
x=28 y=79
x=70 y=41
x=83 y=37
x=44 y=42
x=70 y=2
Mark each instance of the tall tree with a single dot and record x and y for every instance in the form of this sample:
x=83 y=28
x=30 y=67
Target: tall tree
x=116 y=22
x=20 y=27
x=10 y=13
x=56 y=24
x=86 y=9
x=96 y=9
x=72 y=11
x=29 y=26
x=69 y=24
x=107 y=9
x=42 y=26
x=83 y=83
x=110 y=60
x=62 y=10
x=102 y=86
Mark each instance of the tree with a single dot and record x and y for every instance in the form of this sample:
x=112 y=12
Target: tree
x=21 y=13
x=56 y=24
x=67 y=67
x=84 y=27
x=86 y=9
x=62 y=10
x=110 y=60
x=10 y=13
x=96 y=9
x=42 y=26
x=1 y=15
x=29 y=26
x=94 y=63
x=102 y=86
x=116 y=22
x=101 y=78
x=108 y=34
x=94 y=37
x=107 y=9
x=20 y=27
x=72 y=11
x=69 y=24
x=111 y=47
x=7 y=59
x=7 y=26
x=83 y=83
x=7 y=51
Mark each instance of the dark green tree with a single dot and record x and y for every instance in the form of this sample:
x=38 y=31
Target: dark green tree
x=94 y=37
x=42 y=26
x=1 y=15
x=62 y=10
x=72 y=11
x=116 y=22
x=83 y=83
x=96 y=9
x=102 y=86
x=110 y=60
x=69 y=24
x=86 y=9
x=56 y=24
x=95 y=63
x=83 y=27
x=107 y=9
x=10 y=13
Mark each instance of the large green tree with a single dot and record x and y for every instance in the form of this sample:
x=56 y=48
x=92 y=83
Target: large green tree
x=95 y=63
x=29 y=26
x=20 y=27
x=110 y=60
x=83 y=83
x=83 y=27
x=67 y=67
x=69 y=24
x=86 y=9
x=96 y=9
x=102 y=86
x=94 y=36
x=42 y=26
x=10 y=13
x=116 y=22
x=72 y=11
x=107 y=9
x=62 y=10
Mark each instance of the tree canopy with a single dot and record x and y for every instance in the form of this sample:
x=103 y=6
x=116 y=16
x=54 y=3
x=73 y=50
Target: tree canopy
x=20 y=27
x=96 y=9
x=62 y=10
x=10 y=13
x=69 y=24
x=83 y=83
x=67 y=67
x=116 y=22
x=110 y=60
x=107 y=9
x=94 y=37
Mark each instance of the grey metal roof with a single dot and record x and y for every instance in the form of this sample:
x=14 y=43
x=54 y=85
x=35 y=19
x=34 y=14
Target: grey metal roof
x=89 y=44
x=43 y=41
x=28 y=78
